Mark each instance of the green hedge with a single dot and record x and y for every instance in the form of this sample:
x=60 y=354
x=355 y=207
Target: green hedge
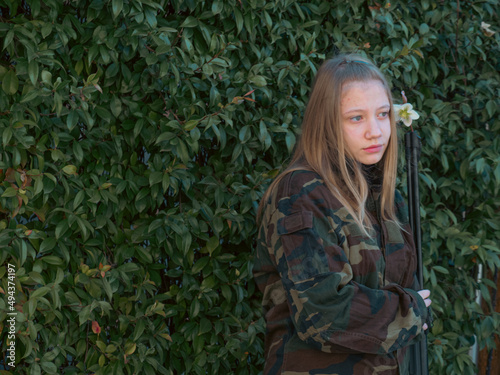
x=138 y=137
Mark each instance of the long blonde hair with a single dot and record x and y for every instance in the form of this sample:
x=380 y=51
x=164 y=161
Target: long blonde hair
x=321 y=147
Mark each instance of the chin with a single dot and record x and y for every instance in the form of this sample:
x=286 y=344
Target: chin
x=370 y=160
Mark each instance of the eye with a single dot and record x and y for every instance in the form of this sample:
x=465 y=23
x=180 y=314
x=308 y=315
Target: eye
x=383 y=114
x=356 y=118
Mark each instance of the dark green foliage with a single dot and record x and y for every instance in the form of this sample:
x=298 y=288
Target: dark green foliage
x=138 y=137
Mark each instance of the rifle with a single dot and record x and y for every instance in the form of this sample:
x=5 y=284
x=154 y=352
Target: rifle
x=418 y=351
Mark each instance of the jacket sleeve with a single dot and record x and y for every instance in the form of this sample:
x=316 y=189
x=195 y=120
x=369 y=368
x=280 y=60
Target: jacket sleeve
x=329 y=310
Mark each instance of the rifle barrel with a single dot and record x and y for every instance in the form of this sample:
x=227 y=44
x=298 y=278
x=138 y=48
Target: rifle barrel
x=419 y=360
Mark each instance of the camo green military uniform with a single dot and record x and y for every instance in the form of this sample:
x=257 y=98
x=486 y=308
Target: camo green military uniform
x=335 y=300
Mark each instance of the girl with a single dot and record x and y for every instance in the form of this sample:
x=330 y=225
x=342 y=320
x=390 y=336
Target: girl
x=335 y=257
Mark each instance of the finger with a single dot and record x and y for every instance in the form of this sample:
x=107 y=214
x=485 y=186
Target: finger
x=425 y=326
x=428 y=302
x=424 y=293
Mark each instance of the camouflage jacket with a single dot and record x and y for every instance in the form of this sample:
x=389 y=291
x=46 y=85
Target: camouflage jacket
x=335 y=300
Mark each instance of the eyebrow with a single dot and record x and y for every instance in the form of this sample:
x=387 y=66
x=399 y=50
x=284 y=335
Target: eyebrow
x=362 y=110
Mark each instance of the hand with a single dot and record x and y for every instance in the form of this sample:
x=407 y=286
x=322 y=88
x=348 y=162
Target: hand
x=425 y=293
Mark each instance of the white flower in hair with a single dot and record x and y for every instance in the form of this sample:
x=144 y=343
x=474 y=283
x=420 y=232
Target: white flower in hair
x=405 y=113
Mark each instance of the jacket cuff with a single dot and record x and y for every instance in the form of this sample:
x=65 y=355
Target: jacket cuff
x=419 y=308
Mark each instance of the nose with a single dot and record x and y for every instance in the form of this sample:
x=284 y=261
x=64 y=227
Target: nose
x=373 y=129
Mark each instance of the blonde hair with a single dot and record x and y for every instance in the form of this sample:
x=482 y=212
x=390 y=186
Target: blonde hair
x=321 y=147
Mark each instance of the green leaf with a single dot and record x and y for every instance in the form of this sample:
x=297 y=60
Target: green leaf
x=139 y=329
x=57 y=104
x=226 y=292
x=217 y=7
x=35 y=369
x=10 y=83
x=259 y=81
x=59 y=276
x=9 y=192
x=49 y=367
x=190 y=125
x=239 y=20
x=424 y=28
x=351 y=28
x=143 y=193
x=78 y=152
x=53 y=260
x=212 y=244
x=155 y=225
x=116 y=6
x=190 y=21
x=46 y=29
x=30 y=95
x=480 y=164
x=47 y=77
x=116 y=106
x=6 y=135
x=3 y=71
x=186 y=243
x=491 y=107
x=33 y=72
x=8 y=39
x=79 y=67
x=183 y=152
x=205 y=326
x=103 y=113
x=194 y=309
x=40 y=292
x=128 y=267
x=72 y=119
x=47 y=244
x=70 y=169
x=107 y=289
x=200 y=264
x=130 y=348
x=151 y=18
x=245 y=134
x=441 y=270
x=155 y=178
x=165 y=137
x=61 y=228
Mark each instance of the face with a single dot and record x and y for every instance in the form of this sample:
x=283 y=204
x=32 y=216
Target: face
x=366 y=122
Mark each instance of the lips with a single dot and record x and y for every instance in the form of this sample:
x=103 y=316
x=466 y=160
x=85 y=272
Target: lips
x=374 y=148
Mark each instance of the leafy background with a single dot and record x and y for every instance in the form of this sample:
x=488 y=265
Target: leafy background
x=138 y=137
